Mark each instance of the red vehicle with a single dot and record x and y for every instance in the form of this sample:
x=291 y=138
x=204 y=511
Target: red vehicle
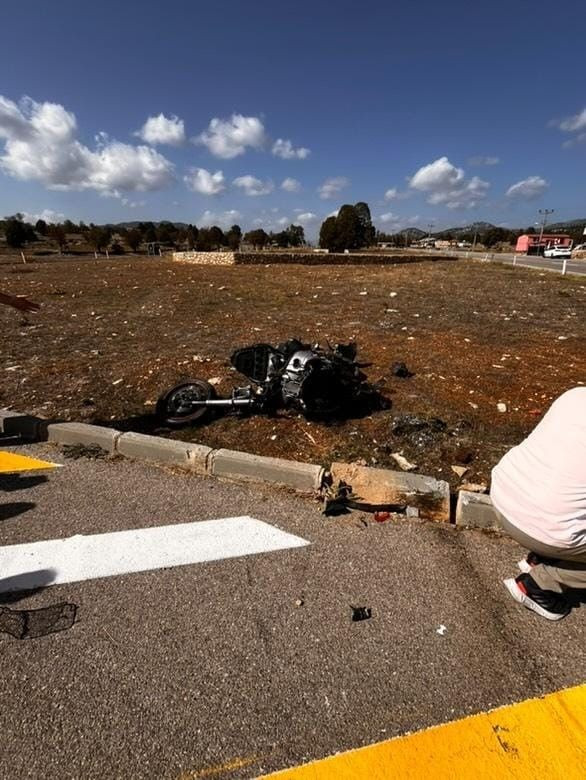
x=531 y=244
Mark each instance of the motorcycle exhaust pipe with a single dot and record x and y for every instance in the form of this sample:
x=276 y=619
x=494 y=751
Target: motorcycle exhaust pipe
x=224 y=402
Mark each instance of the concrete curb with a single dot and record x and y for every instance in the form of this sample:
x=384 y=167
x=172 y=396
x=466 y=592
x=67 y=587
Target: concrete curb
x=429 y=495
x=243 y=465
x=197 y=458
x=475 y=510
x=82 y=433
x=193 y=457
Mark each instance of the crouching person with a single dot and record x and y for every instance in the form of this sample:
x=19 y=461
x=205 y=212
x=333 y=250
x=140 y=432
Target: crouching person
x=539 y=490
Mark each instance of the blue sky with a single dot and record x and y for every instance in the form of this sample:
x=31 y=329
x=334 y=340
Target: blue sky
x=440 y=113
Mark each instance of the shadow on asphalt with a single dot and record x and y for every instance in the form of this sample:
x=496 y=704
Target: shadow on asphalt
x=10 y=482
x=21 y=586
x=15 y=508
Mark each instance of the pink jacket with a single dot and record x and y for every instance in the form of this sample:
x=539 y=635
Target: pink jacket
x=540 y=485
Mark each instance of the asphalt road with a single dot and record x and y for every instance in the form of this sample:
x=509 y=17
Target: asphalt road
x=179 y=672
x=540 y=263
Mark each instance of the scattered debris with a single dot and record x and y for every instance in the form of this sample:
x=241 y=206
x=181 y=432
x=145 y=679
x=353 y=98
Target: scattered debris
x=464 y=455
x=501 y=407
x=299 y=602
x=360 y=613
x=460 y=470
x=381 y=517
x=473 y=487
x=409 y=424
x=34 y=623
x=441 y=630
x=400 y=370
x=215 y=380
x=336 y=498
x=402 y=462
x=91 y=451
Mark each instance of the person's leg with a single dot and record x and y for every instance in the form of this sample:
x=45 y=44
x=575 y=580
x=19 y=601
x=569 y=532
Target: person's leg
x=562 y=569
x=561 y=574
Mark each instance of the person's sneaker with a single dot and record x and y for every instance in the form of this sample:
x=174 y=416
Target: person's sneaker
x=550 y=605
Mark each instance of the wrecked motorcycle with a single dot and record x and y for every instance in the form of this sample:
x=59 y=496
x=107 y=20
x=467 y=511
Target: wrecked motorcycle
x=318 y=382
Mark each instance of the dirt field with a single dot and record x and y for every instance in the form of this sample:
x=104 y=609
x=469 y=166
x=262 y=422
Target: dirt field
x=112 y=335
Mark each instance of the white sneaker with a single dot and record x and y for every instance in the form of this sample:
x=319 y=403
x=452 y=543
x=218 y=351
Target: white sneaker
x=552 y=607
x=524 y=566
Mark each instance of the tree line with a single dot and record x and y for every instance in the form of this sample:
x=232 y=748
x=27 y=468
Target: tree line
x=20 y=233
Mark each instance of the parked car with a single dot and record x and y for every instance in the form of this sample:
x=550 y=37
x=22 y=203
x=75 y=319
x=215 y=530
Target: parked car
x=558 y=251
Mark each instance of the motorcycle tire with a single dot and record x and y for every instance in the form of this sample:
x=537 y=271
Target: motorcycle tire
x=173 y=407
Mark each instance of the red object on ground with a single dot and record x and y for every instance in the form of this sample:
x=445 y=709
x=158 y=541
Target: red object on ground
x=380 y=517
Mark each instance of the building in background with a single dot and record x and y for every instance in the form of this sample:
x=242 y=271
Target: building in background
x=534 y=244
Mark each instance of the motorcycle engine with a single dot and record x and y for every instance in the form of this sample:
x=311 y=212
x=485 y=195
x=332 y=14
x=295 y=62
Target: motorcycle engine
x=308 y=382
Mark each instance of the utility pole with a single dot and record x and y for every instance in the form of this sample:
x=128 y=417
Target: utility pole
x=545 y=213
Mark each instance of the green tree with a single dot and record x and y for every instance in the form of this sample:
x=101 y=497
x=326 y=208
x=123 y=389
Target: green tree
x=41 y=227
x=296 y=235
x=365 y=219
x=328 y=234
x=191 y=236
x=234 y=237
x=15 y=232
x=58 y=234
x=134 y=239
x=258 y=238
x=149 y=235
x=166 y=233
x=98 y=238
x=349 y=228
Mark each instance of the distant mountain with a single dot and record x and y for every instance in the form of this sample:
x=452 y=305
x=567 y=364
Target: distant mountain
x=483 y=227
x=474 y=227
x=136 y=223
x=412 y=232
x=571 y=224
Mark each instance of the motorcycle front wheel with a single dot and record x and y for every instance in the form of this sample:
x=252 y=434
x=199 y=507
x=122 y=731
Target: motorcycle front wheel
x=175 y=407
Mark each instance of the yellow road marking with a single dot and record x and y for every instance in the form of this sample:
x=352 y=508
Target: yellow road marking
x=543 y=737
x=10 y=463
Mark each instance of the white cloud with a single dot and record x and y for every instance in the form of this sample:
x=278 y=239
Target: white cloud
x=162 y=130
x=285 y=149
x=47 y=215
x=571 y=124
x=253 y=186
x=395 y=194
x=447 y=185
x=283 y=221
x=224 y=219
x=577 y=139
x=228 y=138
x=332 y=186
x=528 y=189
x=397 y=222
x=205 y=182
x=483 y=160
x=290 y=185
x=133 y=204
x=306 y=217
x=40 y=145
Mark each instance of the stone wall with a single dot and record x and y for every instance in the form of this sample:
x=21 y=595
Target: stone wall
x=205 y=258
x=299 y=258
x=333 y=258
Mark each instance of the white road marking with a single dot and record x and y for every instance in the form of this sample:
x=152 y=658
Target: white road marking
x=24 y=566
